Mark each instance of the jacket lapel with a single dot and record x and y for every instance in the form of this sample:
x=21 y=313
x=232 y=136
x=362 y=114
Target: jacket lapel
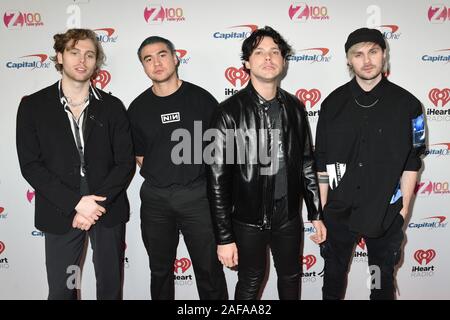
x=92 y=118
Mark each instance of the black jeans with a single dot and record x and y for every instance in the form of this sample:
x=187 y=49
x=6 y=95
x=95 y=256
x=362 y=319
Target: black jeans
x=63 y=254
x=384 y=254
x=284 y=239
x=164 y=213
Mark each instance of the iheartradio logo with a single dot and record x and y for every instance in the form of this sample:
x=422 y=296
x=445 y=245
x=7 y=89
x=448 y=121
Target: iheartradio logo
x=362 y=244
x=426 y=256
x=308 y=261
x=183 y=263
x=30 y=195
x=2 y=247
x=233 y=74
x=310 y=97
x=436 y=95
x=103 y=78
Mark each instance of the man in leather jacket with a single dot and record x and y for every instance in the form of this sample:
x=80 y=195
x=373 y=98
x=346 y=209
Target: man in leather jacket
x=255 y=202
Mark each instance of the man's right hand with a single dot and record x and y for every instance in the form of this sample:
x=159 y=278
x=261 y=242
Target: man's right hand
x=81 y=222
x=228 y=254
x=89 y=209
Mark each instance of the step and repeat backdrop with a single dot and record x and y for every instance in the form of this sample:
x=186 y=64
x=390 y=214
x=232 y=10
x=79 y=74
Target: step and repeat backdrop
x=208 y=35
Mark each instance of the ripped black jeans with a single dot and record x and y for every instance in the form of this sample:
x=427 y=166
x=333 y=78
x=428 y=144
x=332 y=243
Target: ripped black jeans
x=384 y=254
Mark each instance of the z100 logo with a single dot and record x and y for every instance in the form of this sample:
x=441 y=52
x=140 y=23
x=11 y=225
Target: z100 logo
x=438 y=13
x=182 y=265
x=301 y=12
x=17 y=19
x=423 y=257
x=428 y=188
x=156 y=14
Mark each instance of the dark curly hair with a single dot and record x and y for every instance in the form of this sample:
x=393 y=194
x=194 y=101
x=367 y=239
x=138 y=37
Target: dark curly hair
x=255 y=39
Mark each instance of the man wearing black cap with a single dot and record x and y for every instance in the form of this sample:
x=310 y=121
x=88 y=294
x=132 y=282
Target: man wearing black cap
x=369 y=139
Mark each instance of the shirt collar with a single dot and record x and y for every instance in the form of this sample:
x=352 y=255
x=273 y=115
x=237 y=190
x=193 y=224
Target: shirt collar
x=366 y=96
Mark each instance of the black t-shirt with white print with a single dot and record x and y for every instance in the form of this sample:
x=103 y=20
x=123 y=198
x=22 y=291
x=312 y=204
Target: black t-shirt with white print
x=155 y=119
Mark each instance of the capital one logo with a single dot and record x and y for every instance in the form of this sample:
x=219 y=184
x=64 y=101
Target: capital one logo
x=439 y=97
x=30 y=196
x=390 y=31
x=424 y=256
x=105 y=35
x=301 y=12
x=438 y=13
x=308 y=261
x=308 y=97
x=2 y=247
x=233 y=74
x=181 y=54
x=102 y=79
x=183 y=263
x=31 y=61
x=156 y=14
x=17 y=19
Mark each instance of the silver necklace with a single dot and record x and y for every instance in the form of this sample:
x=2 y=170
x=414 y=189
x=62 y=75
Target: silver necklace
x=74 y=105
x=364 y=106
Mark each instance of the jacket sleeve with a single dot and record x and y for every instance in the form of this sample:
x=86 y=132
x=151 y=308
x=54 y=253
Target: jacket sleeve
x=220 y=180
x=321 y=142
x=32 y=164
x=310 y=183
x=418 y=132
x=124 y=162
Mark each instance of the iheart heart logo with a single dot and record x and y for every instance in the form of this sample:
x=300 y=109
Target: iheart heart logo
x=2 y=247
x=309 y=261
x=443 y=95
x=232 y=74
x=312 y=96
x=427 y=255
x=183 y=263
x=103 y=78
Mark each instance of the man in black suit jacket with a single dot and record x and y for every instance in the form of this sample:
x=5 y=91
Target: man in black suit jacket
x=75 y=150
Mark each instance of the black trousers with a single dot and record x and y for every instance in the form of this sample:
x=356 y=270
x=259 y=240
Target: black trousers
x=284 y=239
x=164 y=213
x=63 y=254
x=384 y=254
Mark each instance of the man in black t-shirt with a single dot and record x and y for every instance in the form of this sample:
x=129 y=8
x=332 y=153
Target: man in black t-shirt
x=369 y=139
x=168 y=120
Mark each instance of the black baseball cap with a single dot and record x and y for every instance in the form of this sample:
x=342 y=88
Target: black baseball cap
x=365 y=35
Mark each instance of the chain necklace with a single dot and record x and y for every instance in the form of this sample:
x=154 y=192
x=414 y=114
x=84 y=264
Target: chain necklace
x=368 y=106
x=74 y=105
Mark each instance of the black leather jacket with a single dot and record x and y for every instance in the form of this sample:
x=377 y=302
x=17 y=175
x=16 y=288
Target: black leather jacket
x=240 y=192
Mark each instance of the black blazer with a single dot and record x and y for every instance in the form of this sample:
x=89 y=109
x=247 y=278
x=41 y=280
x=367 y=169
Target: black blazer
x=50 y=162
